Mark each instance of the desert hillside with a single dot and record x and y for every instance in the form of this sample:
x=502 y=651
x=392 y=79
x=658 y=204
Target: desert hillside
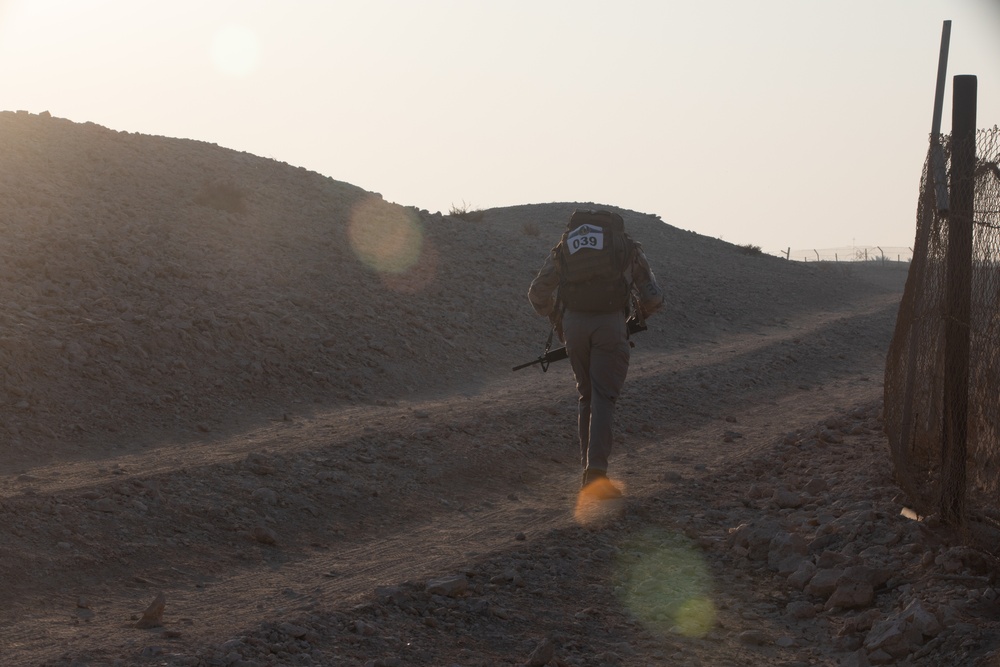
x=161 y=288
x=251 y=416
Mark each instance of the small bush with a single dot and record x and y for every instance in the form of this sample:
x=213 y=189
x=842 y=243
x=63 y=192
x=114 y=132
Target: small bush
x=531 y=229
x=464 y=212
x=749 y=249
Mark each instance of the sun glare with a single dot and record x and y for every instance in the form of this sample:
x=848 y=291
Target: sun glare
x=235 y=51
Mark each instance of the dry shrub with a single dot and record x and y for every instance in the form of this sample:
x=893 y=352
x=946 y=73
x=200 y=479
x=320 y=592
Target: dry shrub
x=464 y=212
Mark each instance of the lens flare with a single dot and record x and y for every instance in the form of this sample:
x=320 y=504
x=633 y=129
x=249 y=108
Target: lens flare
x=387 y=238
x=416 y=278
x=665 y=583
x=599 y=504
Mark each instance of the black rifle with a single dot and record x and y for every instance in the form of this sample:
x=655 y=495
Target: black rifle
x=558 y=354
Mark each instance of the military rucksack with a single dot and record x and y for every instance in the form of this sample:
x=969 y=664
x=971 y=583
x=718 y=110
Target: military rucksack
x=593 y=255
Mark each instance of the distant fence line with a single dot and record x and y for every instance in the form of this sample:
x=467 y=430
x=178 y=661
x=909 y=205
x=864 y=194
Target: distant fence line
x=861 y=253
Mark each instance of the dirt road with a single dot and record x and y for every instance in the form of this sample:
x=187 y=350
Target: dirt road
x=308 y=517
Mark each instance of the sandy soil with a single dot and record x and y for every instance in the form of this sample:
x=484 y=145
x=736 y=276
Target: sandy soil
x=284 y=409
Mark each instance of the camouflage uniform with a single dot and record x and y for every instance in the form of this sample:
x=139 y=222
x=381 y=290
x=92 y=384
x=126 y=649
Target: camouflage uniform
x=598 y=349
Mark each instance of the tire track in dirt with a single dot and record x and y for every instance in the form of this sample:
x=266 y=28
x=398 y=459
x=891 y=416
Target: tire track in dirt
x=219 y=601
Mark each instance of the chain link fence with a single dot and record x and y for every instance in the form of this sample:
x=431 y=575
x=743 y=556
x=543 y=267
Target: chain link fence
x=917 y=367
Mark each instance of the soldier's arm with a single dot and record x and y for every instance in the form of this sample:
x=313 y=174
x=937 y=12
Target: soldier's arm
x=650 y=294
x=542 y=292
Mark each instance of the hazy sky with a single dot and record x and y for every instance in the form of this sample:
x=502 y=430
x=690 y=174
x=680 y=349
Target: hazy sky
x=778 y=123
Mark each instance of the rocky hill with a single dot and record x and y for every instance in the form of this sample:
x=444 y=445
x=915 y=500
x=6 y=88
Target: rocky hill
x=156 y=286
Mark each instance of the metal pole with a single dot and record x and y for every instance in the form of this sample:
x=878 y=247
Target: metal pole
x=942 y=74
x=958 y=297
x=937 y=154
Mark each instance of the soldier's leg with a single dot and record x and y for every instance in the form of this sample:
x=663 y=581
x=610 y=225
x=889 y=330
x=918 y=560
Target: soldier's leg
x=577 y=332
x=609 y=358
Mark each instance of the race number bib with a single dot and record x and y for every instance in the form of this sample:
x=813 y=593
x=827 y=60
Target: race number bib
x=585 y=236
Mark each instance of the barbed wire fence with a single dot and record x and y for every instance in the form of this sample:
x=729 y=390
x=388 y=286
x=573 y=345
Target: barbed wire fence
x=861 y=253
x=923 y=379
